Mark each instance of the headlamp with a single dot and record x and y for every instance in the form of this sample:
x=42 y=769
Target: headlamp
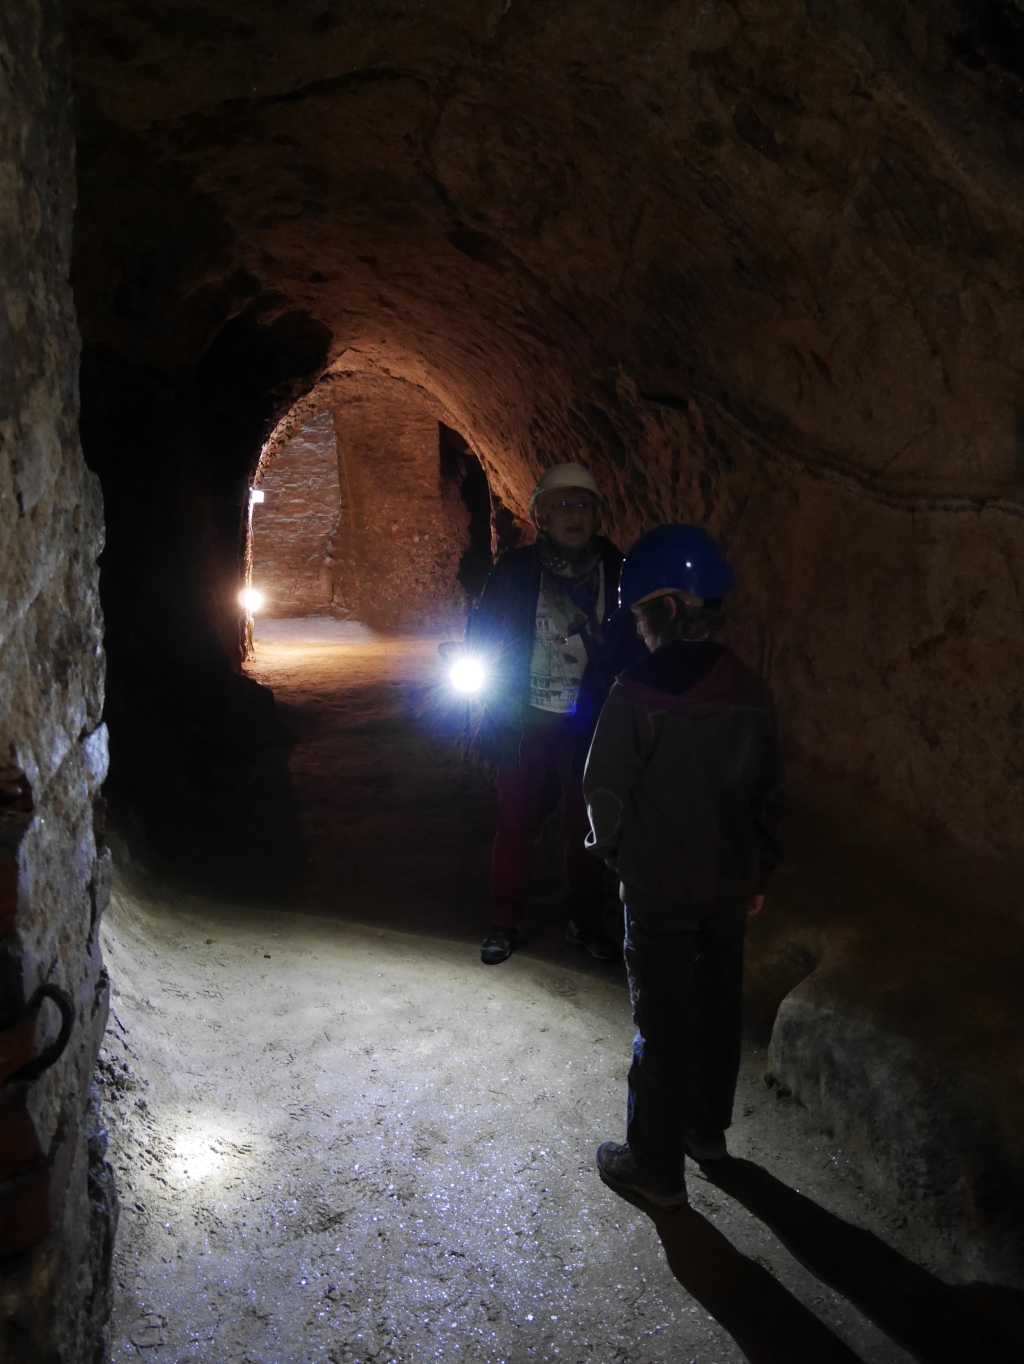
x=468 y=674
x=251 y=599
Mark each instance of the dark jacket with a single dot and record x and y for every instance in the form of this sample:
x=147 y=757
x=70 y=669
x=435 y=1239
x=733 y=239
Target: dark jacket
x=683 y=778
x=502 y=627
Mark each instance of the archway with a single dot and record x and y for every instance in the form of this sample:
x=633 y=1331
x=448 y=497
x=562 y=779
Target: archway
x=373 y=510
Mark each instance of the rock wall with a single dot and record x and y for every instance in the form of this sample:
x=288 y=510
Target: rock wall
x=57 y=1210
x=294 y=530
x=889 y=626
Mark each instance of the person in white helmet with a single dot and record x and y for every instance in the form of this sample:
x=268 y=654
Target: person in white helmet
x=545 y=623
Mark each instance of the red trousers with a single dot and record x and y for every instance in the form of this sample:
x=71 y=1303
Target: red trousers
x=543 y=774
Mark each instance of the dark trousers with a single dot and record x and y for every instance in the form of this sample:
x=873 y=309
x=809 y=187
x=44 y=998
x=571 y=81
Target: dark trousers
x=542 y=774
x=686 y=988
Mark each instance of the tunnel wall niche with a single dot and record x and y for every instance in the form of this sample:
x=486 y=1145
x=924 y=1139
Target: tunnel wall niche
x=57 y=1207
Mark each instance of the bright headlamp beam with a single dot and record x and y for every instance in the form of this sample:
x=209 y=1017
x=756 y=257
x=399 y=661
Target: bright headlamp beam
x=467 y=675
x=251 y=600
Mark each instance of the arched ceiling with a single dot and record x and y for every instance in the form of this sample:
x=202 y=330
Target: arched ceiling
x=757 y=262
x=572 y=222
x=337 y=387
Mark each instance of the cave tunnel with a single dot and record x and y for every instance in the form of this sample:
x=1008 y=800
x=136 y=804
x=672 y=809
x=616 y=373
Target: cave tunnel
x=757 y=265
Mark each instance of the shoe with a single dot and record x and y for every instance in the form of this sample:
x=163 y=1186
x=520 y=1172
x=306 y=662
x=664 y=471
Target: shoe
x=706 y=1147
x=601 y=948
x=498 y=946
x=617 y=1166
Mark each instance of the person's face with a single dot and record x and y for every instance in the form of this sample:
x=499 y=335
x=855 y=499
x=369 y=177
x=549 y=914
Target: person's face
x=569 y=517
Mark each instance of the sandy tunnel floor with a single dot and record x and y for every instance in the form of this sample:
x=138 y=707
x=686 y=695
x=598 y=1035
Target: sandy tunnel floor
x=340 y=1138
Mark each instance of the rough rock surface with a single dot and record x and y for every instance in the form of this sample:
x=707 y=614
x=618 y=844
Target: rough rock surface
x=758 y=263
x=56 y=1207
x=901 y=1030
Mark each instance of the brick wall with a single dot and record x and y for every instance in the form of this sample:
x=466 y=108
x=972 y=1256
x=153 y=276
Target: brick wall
x=294 y=528
x=404 y=529
x=359 y=520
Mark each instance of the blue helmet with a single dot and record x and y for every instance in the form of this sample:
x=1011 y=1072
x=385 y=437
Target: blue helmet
x=674 y=559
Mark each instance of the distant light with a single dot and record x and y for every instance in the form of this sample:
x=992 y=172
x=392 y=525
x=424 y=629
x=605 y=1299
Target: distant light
x=689 y=564
x=467 y=674
x=256 y=494
x=251 y=599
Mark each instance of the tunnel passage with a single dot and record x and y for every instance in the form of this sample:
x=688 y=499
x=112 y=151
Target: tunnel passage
x=758 y=265
x=741 y=297
x=374 y=511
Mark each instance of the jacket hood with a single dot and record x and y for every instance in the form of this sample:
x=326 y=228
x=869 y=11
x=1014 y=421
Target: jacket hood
x=690 y=673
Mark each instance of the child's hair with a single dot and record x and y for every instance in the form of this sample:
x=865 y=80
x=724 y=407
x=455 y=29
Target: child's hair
x=685 y=622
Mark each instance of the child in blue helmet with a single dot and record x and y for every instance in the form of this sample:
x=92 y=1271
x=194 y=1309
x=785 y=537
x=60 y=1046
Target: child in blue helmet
x=681 y=786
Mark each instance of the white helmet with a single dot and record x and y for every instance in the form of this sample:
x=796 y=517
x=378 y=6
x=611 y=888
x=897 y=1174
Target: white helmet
x=564 y=476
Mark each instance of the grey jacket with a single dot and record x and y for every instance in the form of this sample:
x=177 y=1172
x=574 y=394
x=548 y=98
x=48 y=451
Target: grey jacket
x=683 y=779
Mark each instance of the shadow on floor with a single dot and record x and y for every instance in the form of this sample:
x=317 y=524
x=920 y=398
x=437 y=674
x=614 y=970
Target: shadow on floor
x=766 y=1321
x=398 y=823
x=200 y=792
x=933 y=1321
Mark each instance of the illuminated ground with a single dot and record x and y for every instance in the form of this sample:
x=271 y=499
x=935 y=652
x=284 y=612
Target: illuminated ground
x=355 y=1143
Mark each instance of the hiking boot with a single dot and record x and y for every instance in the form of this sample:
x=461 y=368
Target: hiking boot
x=706 y=1147
x=600 y=947
x=498 y=945
x=603 y=948
x=618 y=1167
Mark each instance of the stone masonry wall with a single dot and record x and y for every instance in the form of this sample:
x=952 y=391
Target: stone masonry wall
x=56 y=1203
x=403 y=530
x=294 y=529
x=380 y=538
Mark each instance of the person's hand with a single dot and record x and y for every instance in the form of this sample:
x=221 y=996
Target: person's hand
x=755 y=906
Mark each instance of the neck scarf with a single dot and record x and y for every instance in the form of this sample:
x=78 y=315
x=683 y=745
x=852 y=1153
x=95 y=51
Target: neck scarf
x=579 y=580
